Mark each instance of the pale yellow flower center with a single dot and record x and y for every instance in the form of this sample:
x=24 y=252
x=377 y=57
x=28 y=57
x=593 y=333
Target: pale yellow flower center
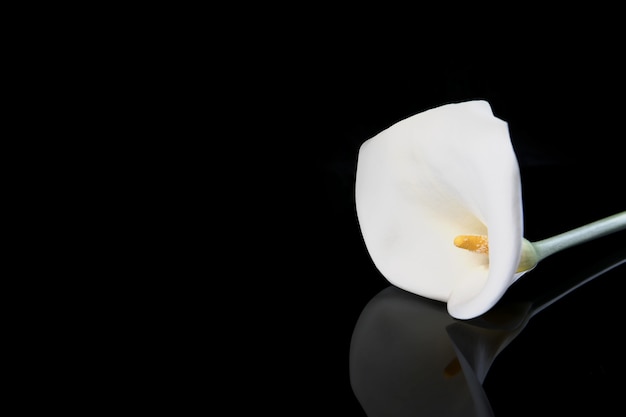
x=480 y=244
x=473 y=243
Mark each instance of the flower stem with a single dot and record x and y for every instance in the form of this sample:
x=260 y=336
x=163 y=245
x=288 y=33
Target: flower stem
x=599 y=228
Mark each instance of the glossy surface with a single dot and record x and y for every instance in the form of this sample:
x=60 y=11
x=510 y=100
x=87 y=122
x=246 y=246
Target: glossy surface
x=312 y=279
x=565 y=359
x=409 y=357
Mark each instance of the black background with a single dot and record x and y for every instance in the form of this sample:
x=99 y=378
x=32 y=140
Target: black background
x=225 y=158
x=305 y=108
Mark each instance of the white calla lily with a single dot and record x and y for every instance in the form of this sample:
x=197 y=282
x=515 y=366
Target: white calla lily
x=442 y=180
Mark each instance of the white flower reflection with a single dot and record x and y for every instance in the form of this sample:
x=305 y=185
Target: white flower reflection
x=408 y=357
x=447 y=173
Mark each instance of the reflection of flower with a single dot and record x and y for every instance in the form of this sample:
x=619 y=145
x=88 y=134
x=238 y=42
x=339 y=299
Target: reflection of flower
x=446 y=179
x=446 y=173
x=403 y=362
x=407 y=354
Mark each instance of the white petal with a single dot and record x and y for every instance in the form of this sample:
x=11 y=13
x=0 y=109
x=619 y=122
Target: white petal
x=448 y=171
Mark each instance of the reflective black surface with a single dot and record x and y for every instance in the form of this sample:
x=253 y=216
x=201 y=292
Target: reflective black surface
x=266 y=301
x=403 y=361
x=409 y=357
x=379 y=352
x=386 y=353
x=329 y=336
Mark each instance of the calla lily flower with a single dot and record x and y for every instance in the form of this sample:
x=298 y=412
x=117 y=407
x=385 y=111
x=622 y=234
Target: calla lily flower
x=439 y=204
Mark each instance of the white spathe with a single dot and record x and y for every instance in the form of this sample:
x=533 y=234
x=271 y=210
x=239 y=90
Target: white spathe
x=448 y=171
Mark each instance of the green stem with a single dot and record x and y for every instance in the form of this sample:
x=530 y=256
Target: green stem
x=599 y=228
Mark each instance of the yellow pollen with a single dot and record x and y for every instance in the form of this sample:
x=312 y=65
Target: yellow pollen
x=473 y=243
